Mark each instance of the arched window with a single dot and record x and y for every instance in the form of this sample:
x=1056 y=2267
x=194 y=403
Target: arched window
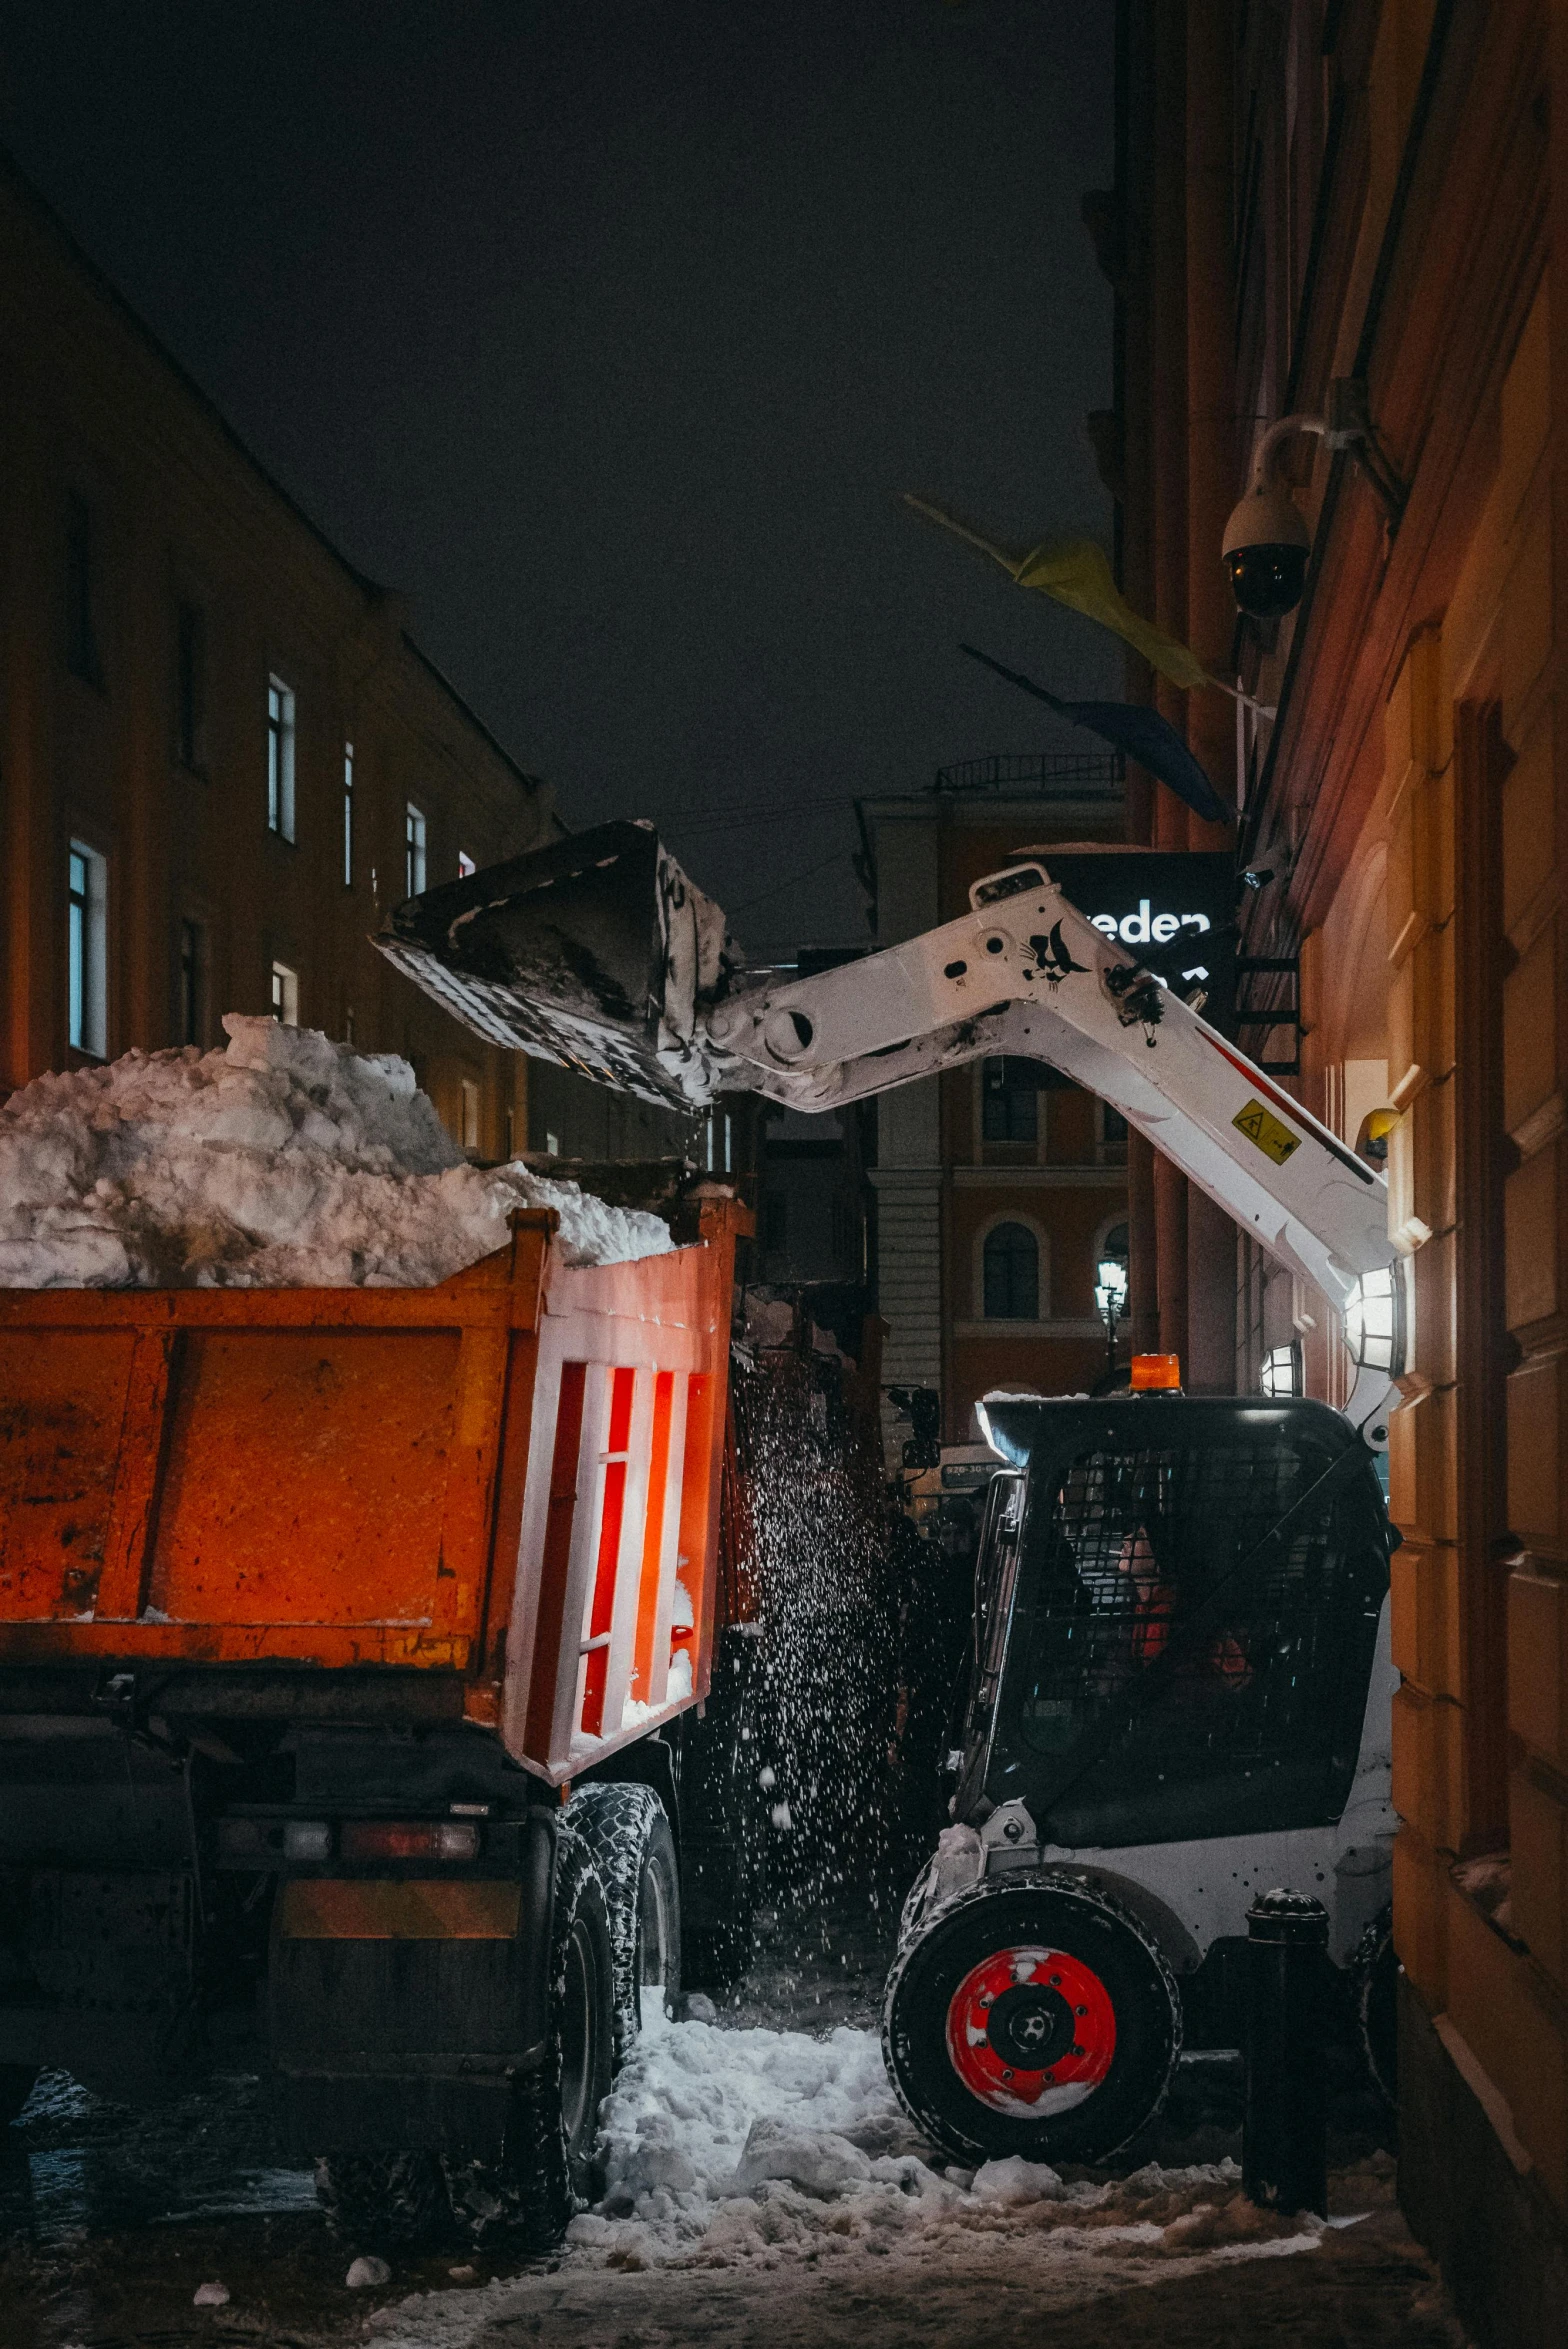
x=1012 y=1274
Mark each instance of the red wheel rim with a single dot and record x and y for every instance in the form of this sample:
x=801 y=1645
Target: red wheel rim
x=1031 y=2031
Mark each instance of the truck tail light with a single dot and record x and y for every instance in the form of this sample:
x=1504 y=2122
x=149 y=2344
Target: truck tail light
x=1154 y=1374
x=409 y=1839
x=307 y=1839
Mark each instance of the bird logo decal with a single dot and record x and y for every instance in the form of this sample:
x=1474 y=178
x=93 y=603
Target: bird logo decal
x=1054 y=957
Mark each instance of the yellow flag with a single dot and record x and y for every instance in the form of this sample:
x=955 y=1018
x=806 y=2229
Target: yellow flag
x=1077 y=573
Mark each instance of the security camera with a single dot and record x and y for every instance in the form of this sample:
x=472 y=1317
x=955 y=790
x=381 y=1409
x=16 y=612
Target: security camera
x=1265 y=550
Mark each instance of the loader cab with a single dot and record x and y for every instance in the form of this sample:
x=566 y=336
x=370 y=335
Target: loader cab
x=1177 y=1603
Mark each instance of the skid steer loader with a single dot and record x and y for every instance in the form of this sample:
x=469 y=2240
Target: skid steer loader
x=1181 y=1683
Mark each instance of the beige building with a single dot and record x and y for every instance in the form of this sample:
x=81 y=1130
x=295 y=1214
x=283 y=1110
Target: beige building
x=222 y=756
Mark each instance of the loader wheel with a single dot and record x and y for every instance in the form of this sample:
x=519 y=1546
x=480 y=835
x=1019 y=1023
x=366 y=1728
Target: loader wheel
x=382 y=2201
x=628 y=1836
x=1035 y=2018
x=548 y=2166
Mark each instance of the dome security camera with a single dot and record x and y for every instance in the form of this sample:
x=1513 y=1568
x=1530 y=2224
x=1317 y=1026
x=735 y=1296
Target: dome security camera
x=1265 y=550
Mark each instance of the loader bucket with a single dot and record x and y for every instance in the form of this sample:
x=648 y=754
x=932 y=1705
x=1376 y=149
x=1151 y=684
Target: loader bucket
x=596 y=952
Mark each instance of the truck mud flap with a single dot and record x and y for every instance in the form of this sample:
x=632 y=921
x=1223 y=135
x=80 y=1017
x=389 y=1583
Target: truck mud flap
x=401 y=2011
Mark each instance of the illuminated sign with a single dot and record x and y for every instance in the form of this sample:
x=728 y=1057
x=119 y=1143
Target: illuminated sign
x=1147 y=898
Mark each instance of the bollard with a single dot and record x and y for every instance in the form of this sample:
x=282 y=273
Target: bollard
x=1284 y=2157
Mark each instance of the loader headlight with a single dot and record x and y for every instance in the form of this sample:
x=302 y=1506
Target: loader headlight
x=1375 y=1321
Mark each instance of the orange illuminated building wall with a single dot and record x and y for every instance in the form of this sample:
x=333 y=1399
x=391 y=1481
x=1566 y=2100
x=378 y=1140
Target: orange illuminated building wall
x=1326 y=191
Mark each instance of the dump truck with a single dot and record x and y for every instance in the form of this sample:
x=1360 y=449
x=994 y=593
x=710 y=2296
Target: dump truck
x=1179 y=1693
x=352 y=1643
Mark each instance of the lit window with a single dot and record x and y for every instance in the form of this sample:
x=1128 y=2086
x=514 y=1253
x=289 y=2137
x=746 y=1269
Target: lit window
x=280 y=758
x=87 y=949
x=348 y=815
x=81 y=634
x=192 y=1023
x=1011 y=1266
x=285 y=995
x=413 y=852
x=190 y=686
x=465 y=864
x=470 y=1114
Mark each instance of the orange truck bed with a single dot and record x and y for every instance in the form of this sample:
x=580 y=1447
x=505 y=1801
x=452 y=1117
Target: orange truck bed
x=511 y=1480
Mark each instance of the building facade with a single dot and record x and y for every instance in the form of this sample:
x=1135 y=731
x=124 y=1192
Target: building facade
x=1333 y=208
x=222 y=756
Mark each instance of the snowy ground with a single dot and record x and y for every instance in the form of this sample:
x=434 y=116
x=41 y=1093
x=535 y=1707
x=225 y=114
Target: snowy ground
x=763 y=2191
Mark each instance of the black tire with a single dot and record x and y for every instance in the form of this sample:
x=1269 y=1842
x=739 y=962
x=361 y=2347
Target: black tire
x=16 y=2086
x=629 y=1839
x=382 y=2201
x=1112 y=1972
x=549 y=2166
x=1376 y=1978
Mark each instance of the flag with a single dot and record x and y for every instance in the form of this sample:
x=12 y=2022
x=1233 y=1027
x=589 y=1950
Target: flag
x=1136 y=729
x=1077 y=573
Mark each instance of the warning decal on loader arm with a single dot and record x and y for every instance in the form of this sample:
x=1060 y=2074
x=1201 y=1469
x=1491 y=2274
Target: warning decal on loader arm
x=1272 y=1137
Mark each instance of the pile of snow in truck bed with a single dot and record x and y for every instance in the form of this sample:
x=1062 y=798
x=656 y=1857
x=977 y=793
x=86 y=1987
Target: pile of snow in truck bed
x=283 y=1161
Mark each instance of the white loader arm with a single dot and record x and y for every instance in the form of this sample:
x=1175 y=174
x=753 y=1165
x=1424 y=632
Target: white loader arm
x=599 y=952
x=1023 y=972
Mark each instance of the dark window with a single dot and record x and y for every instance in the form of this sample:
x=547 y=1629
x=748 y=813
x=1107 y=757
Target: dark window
x=775 y=1223
x=1140 y=1557
x=280 y=758
x=190 y=686
x=1113 y=1127
x=192 y=1025
x=81 y=634
x=1010 y=1101
x=1012 y=1274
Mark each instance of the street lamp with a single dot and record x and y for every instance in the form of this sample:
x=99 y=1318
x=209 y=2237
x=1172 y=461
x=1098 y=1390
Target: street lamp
x=1111 y=1297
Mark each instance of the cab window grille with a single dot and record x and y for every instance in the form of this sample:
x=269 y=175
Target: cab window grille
x=1137 y=1558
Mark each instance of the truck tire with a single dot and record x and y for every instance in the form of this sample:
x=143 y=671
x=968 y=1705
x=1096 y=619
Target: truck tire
x=16 y=2086
x=1033 y=2016
x=628 y=1836
x=549 y=2166
x=381 y=2201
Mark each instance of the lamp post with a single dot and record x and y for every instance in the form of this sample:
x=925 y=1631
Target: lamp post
x=1111 y=1297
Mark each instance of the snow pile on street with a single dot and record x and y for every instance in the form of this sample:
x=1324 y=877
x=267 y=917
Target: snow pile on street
x=738 y=2155
x=283 y=1161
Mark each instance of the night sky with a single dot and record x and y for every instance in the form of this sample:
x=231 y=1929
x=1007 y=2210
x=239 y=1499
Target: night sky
x=608 y=330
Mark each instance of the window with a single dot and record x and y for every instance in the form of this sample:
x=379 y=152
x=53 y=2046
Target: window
x=1112 y=1135
x=465 y=864
x=348 y=815
x=413 y=852
x=87 y=949
x=81 y=633
x=192 y=1020
x=285 y=995
x=1011 y=1267
x=1010 y=1101
x=775 y=1223
x=280 y=758
x=470 y=1114
x=190 y=687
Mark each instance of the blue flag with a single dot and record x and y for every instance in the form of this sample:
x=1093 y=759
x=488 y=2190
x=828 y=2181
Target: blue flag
x=1136 y=729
